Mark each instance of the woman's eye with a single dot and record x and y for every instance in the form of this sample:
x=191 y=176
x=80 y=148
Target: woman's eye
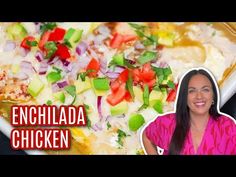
x=206 y=90
x=191 y=91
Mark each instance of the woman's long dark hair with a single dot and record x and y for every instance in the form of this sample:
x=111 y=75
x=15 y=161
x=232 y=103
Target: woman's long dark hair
x=182 y=111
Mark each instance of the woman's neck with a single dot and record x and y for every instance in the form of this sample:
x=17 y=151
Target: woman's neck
x=199 y=121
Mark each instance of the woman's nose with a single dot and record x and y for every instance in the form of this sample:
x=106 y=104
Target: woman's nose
x=199 y=94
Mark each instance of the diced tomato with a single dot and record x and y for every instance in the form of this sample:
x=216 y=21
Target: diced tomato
x=147 y=76
x=123 y=77
x=160 y=47
x=44 y=39
x=115 y=98
x=151 y=83
x=62 y=51
x=136 y=75
x=171 y=96
x=144 y=75
x=24 y=42
x=116 y=41
x=57 y=34
x=128 y=38
x=146 y=67
x=115 y=85
x=93 y=65
x=128 y=97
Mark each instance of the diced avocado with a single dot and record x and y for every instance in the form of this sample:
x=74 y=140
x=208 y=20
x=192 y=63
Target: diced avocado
x=98 y=92
x=147 y=56
x=166 y=38
x=16 y=31
x=69 y=34
x=15 y=68
x=82 y=86
x=60 y=96
x=73 y=36
x=154 y=96
x=138 y=93
x=158 y=106
x=35 y=87
x=119 y=109
x=76 y=36
x=164 y=93
x=165 y=81
x=136 y=121
x=118 y=59
x=53 y=77
x=101 y=84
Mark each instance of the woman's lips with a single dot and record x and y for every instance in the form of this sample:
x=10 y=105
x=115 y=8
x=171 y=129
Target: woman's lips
x=200 y=103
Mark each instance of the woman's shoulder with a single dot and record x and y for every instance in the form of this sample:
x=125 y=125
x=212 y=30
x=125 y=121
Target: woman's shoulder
x=226 y=120
x=166 y=119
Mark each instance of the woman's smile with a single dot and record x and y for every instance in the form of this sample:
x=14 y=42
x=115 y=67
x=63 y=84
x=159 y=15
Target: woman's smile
x=200 y=95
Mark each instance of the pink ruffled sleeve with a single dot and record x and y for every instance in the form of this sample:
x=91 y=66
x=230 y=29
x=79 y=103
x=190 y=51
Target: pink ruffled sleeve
x=159 y=131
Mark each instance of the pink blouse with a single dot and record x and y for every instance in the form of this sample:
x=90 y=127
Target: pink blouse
x=219 y=137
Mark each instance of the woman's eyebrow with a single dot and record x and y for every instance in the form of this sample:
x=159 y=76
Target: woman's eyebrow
x=205 y=86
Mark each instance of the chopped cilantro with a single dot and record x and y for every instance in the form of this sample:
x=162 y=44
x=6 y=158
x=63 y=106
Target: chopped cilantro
x=129 y=85
x=121 y=136
x=51 y=48
x=57 y=69
x=108 y=125
x=145 y=98
x=31 y=43
x=47 y=26
x=171 y=84
x=49 y=102
x=84 y=74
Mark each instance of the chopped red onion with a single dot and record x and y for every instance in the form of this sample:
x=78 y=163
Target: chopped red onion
x=99 y=39
x=65 y=62
x=119 y=69
x=43 y=68
x=93 y=54
x=99 y=101
x=27 y=67
x=104 y=30
x=23 y=52
x=9 y=46
x=108 y=118
x=21 y=76
x=132 y=62
x=39 y=56
x=160 y=64
x=94 y=127
x=99 y=127
x=112 y=75
x=68 y=68
x=53 y=60
x=37 y=27
x=120 y=116
x=73 y=74
x=81 y=48
x=103 y=65
x=138 y=45
x=55 y=88
x=62 y=84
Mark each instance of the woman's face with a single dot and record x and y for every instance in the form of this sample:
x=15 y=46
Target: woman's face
x=200 y=95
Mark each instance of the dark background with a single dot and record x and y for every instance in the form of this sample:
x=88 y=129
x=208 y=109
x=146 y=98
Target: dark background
x=5 y=149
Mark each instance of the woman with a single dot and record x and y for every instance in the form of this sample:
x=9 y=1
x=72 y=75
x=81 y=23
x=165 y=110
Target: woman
x=196 y=127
